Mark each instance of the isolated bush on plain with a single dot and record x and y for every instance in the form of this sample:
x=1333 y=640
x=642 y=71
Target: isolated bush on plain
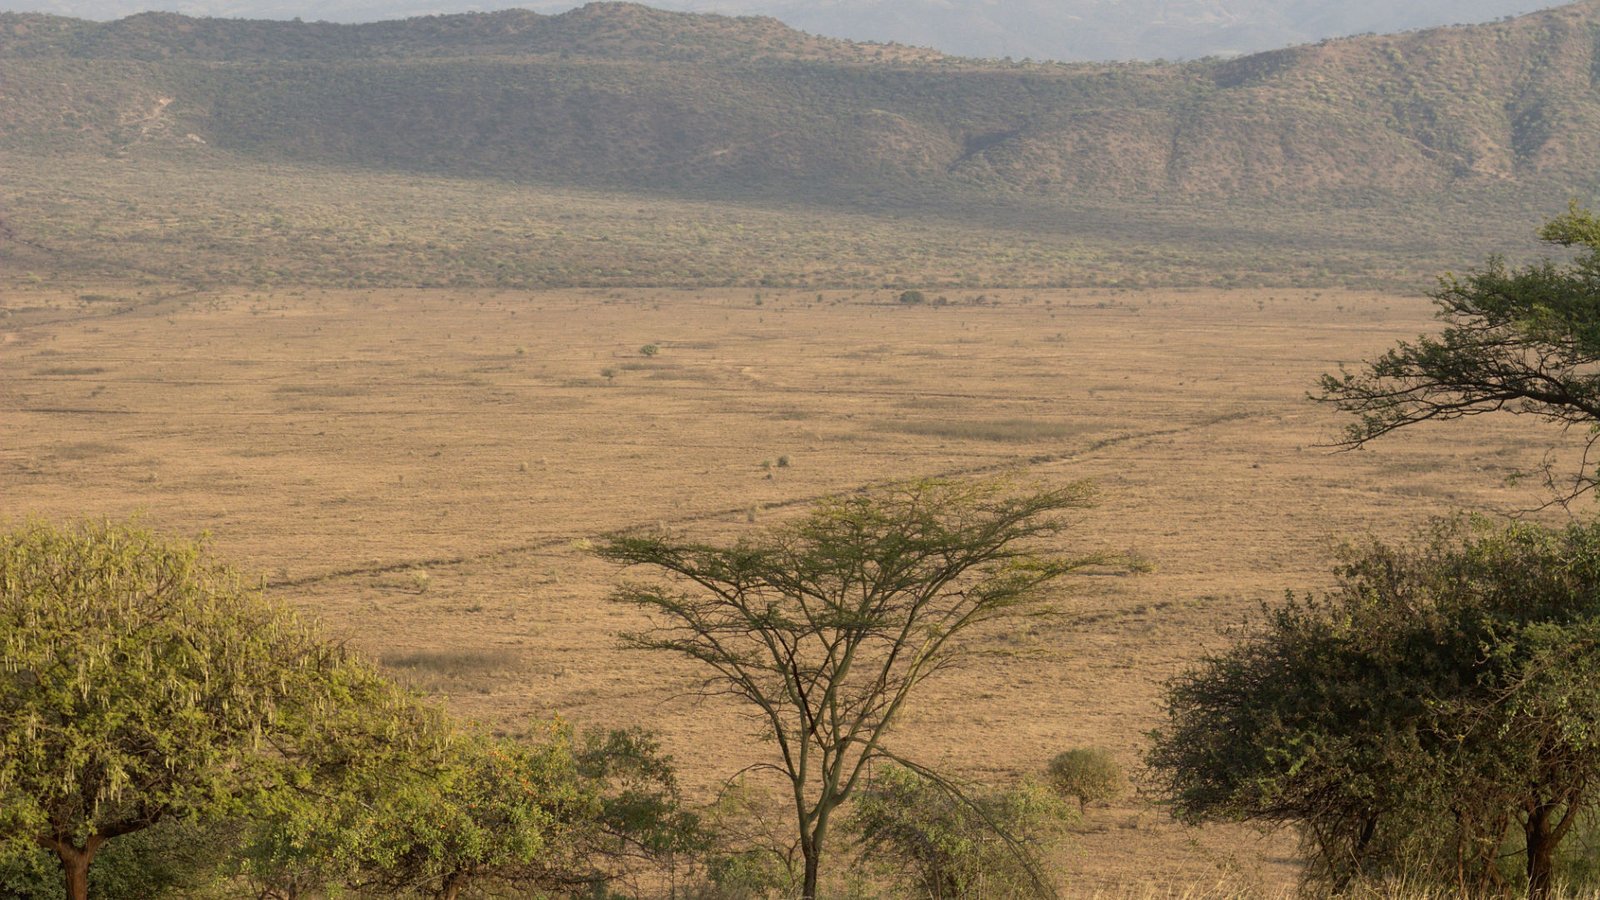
x=1087 y=775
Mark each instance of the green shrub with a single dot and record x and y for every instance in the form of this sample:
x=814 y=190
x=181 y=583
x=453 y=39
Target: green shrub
x=1087 y=775
x=1433 y=718
x=940 y=844
x=748 y=853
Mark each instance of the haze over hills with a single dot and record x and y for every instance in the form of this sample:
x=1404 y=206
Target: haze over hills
x=627 y=95
x=1040 y=29
x=1459 y=131
x=1130 y=29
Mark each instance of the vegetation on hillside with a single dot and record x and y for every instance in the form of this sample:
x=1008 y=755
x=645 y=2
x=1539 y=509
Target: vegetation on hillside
x=1279 y=168
x=623 y=95
x=216 y=221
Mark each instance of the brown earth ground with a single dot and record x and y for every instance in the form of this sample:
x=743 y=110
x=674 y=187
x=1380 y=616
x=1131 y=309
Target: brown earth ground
x=421 y=469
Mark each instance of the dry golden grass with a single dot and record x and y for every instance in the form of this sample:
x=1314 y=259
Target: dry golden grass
x=420 y=469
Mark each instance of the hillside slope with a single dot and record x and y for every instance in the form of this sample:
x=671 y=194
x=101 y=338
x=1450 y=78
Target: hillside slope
x=624 y=95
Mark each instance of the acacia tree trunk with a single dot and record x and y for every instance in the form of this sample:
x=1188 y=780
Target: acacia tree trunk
x=1358 y=855
x=1541 y=851
x=812 y=854
x=75 y=863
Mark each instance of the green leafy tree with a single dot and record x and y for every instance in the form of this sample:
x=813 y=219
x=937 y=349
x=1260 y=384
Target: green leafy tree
x=491 y=810
x=1445 y=695
x=825 y=627
x=395 y=799
x=944 y=842
x=173 y=858
x=389 y=797
x=1087 y=775
x=640 y=820
x=1519 y=340
x=140 y=679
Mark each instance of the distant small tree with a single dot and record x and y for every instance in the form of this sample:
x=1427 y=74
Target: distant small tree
x=825 y=627
x=140 y=678
x=649 y=350
x=1524 y=341
x=1447 y=693
x=1087 y=775
x=913 y=297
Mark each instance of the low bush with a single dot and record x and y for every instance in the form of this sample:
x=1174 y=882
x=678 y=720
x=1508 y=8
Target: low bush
x=1087 y=775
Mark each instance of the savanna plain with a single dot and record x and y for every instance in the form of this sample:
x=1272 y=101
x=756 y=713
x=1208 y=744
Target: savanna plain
x=424 y=470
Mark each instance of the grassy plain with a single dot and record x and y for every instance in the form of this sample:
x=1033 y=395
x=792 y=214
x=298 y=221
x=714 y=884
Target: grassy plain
x=420 y=468
x=188 y=214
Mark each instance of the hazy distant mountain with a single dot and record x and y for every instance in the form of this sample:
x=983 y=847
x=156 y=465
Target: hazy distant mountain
x=1113 y=29
x=622 y=94
x=1041 y=29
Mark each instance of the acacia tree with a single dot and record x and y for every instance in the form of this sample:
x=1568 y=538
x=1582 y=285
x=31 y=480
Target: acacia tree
x=1444 y=695
x=1524 y=341
x=137 y=680
x=825 y=627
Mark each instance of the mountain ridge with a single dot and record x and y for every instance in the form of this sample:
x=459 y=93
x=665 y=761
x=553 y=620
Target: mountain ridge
x=1041 y=29
x=623 y=95
x=607 y=29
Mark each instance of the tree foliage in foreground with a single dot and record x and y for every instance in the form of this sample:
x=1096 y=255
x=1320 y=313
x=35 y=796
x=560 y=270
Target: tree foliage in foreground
x=140 y=679
x=397 y=801
x=403 y=804
x=173 y=858
x=149 y=699
x=825 y=627
x=1433 y=716
x=1523 y=340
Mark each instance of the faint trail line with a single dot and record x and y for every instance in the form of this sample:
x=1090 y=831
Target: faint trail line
x=155 y=306
x=713 y=515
